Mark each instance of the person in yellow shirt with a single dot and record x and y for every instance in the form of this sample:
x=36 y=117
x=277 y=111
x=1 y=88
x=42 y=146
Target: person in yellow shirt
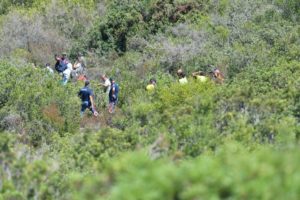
x=200 y=76
x=151 y=86
x=182 y=78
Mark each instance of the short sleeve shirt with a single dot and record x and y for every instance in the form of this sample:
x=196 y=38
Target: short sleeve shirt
x=116 y=93
x=107 y=85
x=202 y=78
x=85 y=94
x=183 y=80
x=150 y=87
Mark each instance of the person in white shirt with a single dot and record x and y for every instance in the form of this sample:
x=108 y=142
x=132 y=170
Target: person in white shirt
x=49 y=69
x=77 y=68
x=67 y=73
x=106 y=84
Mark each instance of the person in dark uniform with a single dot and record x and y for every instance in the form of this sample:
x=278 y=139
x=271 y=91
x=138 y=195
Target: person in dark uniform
x=87 y=98
x=113 y=95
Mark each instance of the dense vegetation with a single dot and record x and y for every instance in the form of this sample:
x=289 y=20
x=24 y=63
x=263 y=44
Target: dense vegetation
x=237 y=140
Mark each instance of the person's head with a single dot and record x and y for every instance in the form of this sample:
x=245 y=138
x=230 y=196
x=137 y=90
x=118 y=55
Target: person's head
x=103 y=77
x=57 y=57
x=216 y=72
x=180 y=73
x=86 y=83
x=112 y=80
x=152 y=81
x=47 y=65
x=64 y=55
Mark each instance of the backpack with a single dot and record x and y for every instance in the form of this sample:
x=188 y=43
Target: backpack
x=60 y=66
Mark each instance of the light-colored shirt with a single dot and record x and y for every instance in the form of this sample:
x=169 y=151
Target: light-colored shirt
x=202 y=78
x=50 y=70
x=77 y=65
x=83 y=61
x=107 y=85
x=183 y=80
x=150 y=87
x=67 y=72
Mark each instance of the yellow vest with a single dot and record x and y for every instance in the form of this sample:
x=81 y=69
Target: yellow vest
x=202 y=78
x=150 y=87
x=183 y=80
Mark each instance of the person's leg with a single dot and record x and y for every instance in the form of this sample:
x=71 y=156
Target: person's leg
x=112 y=106
x=84 y=106
x=73 y=74
x=91 y=108
x=79 y=70
x=65 y=79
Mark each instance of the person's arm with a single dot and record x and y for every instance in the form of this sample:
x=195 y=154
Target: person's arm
x=113 y=89
x=92 y=101
x=56 y=66
x=83 y=62
x=102 y=84
x=93 y=106
x=195 y=74
x=75 y=66
x=114 y=92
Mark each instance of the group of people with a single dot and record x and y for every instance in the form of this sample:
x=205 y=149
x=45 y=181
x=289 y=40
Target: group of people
x=111 y=89
x=78 y=70
x=216 y=75
x=66 y=69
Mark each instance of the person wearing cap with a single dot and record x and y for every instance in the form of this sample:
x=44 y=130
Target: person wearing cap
x=113 y=95
x=87 y=98
x=182 y=78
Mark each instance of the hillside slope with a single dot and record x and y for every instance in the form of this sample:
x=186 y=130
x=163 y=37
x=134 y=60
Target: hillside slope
x=236 y=140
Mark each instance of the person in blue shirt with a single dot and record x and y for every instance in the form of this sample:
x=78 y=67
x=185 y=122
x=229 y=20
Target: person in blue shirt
x=87 y=98
x=60 y=66
x=113 y=95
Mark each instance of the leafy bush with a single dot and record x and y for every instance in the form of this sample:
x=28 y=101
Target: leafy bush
x=36 y=104
x=192 y=141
